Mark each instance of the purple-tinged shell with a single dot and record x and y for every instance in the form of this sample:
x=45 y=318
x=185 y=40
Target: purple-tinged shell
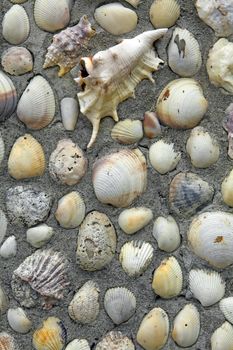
x=228 y=126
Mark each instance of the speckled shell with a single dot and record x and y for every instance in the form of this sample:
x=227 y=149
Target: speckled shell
x=227 y=189
x=9 y=248
x=69 y=113
x=119 y=178
x=7 y=342
x=8 y=97
x=222 y=338
x=3 y=225
x=134 y=219
x=164 y=13
x=4 y=301
x=167 y=234
x=39 y=235
x=18 y=320
x=17 y=60
x=163 y=156
x=151 y=125
x=115 y=341
x=226 y=306
x=78 y=344
x=51 y=335
x=15 y=25
x=96 y=242
x=84 y=307
x=127 y=131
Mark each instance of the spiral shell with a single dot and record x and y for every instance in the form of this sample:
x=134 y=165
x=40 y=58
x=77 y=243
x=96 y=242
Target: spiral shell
x=7 y=342
x=163 y=157
x=167 y=234
x=115 y=341
x=8 y=97
x=17 y=60
x=51 y=335
x=15 y=25
x=18 y=320
x=222 y=338
x=127 y=131
x=164 y=13
x=134 y=219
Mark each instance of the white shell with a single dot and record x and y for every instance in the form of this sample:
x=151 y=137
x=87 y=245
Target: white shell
x=69 y=113
x=115 y=341
x=135 y=257
x=15 y=25
x=127 y=131
x=226 y=306
x=164 y=13
x=3 y=225
x=39 y=235
x=163 y=157
x=78 y=344
x=2 y=152
x=4 y=301
x=207 y=286
x=17 y=60
x=134 y=219
x=167 y=234
x=222 y=338
x=8 y=248
x=18 y=320
x=227 y=189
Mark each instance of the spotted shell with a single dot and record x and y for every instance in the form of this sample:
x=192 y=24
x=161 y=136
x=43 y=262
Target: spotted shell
x=127 y=131
x=7 y=342
x=51 y=335
x=115 y=341
x=15 y=25
x=17 y=60
x=226 y=306
x=222 y=338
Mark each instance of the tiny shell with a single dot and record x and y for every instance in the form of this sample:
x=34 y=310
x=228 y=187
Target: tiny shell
x=50 y=336
x=3 y=225
x=127 y=131
x=134 y=219
x=151 y=125
x=228 y=126
x=17 y=60
x=163 y=157
x=115 y=341
x=69 y=113
x=4 y=301
x=39 y=235
x=207 y=286
x=78 y=344
x=18 y=320
x=222 y=338
x=15 y=25
x=167 y=234
x=226 y=306
x=8 y=248
x=134 y=3
x=8 y=97
x=164 y=13
x=227 y=189
x=7 y=342
x=2 y=149
x=18 y=1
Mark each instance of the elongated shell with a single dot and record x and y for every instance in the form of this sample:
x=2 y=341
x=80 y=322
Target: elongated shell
x=151 y=125
x=69 y=113
x=115 y=341
x=8 y=97
x=164 y=13
x=119 y=178
x=226 y=306
x=9 y=248
x=7 y=342
x=15 y=25
x=39 y=235
x=78 y=344
x=163 y=157
x=18 y=320
x=154 y=329
x=227 y=189
x=51 y=335
x=127 y=131
x=228 y=126
x=3 y=225
x=207 y=286
x=134 y=219
x=222 y=338
x=167 y=233
x=4 y=301
x=2 y=148
x=17 y=60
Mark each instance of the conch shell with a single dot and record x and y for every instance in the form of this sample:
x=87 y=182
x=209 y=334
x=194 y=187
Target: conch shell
x=110 y=76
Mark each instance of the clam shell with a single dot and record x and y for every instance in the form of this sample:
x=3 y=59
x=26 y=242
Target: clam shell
x=134 y=219
x=15 y=25
x=18 y=320
x=154 y=329
x=119 y=178
x=50 y=336
x=9 y=248
x=8 y=97
x=222 y=338
x=163 y=157
x=3 y=225
x=127 y=131
x=7 y=342
x=164 y=13
x=39 y=235
x=227 y=189
x=207 y=286
x=151 y=125
x=135 y=257
x=115 y=341
x=167 y=233
x=17 y=60
x=36 y=107
x=120 y=304
x=4 y=301
x=78 y=344
x=69 y=113
x=226 y=306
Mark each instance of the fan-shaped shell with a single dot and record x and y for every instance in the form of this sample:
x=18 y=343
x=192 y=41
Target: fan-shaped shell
x=15 y=25
x=39 y=235
x=127 y=131
x=9 y=248
x=18 y=320
x=8 y=97
x=78 y=344
x=134 y=219
x=167 y=233
x=226 y=306
x=164 y=13
x=163 y=157
x=3 y=225
x=227 y=189
x=4 y=301
x=51 y=335
x=69 y=113
x=115 y=341
x=17 y=60
x=151 y=125
x=222 y=338
x=7 y=342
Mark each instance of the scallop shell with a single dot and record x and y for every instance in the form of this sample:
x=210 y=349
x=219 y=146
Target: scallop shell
x=127 y=131
x=135 y=257
x=18 y=320
x=167 y=233
x=15 y=25
x=78 y=344
x=164 y=13
x=120 y=304
x=69 y=113
x=151 y=125
x=184 y=55
x=39 y=235
x=163 y=157
x=84 y=307
x=154 y=329
x=17 y=60
x=134 y=219
x=8 y=97
x=70 y=210
x=115 y=341
x=187 y=193
x=222 y=338
x=207 y=286
x=168 y=279
x=36 y=107
x=226 y=306
x=3 y=225
x=4 y=301
x=96 y=242
x=120 y=68
x=9 y=248
x=181 y=104
x=27 y=158
x=51 y=335
x=187 y=326
x=119 y=178
x=7 y=342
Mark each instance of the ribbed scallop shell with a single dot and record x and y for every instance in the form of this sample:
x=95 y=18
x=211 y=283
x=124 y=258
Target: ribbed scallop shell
x=17 y=60
x=127 y=131
x=119 y=178
x=8 y=97
x=78 y=344
x=222 y=338
x=69 y=113
x=226 y=306
x=135 y=257
x=4 y=301
x=115 y=341
x=120 y=304
x=163 y=156
x=3 y=225
x=7 y=342
x=15 y=25
x=51 y=335
x=167 y=233
x=164 y=13
x=207 y=286
x=134 y=219
x=18 y=320
x=151 y=125
x=84 y=307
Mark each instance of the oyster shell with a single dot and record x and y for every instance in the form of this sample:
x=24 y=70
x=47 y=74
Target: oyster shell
x=134 y=219
x=17 y=60
x=115 y=341
x=222 y=338
x=163 y=156
x=18 y=320
x=164 y=13
x=51 y=335
x=15 y=25
x=8 y=97
x=127 y=131
x=167 y=233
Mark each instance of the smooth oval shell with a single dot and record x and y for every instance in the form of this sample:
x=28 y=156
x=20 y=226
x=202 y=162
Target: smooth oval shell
x=9 y=248
x=78 y=344
x=163 y=157
x=227 y=189
x=69 y=113
x=226 y=306
x=8 y=97
x=3 y=225
x=134 y=219
x=17 y=60
x=164 y=13
x=39 y=235
x=51 y=335
x=7 y=342
x=151 y=125
x=15 y=25
x=167 y=233
x=127 y=131
x=18 y=320
x=222 y=338
x=115 y=341
x=4 y=301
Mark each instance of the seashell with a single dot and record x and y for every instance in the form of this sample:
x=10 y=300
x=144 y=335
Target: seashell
x=7 y=342
x=127 y=131
x=46 y=273
x=187 y=193
x=8 y=248
x=164 y=13
x=36 y=107
x=67 y=163
x=3 y=225
x=202 y=148
x=222 y=338
x=184 y=55
x=2 y=147
x=227 y=189
x=187 y=326
x=151 y=125
x=210 y=237
x=69 y=113
x=154 y=329
x=207 y=286
x=39 y=235
x=116 y=18
x=8 y=97
x=18 y=1
x=115 y=341
x=134 y=219
x=27 y=206
x=119 y=178
x=15 y=25
x=228 y=126
x=226 y=306
x=163 y=157
x=135 y=257
x=84 y=307
x=51 y=335
x=18 y=320
x=96 y=242
x=167 y=233
x=217 y=14
x=78 y=344
x=70 y=210
x=27 y=158
x=181 y=104
x=168 y=279
x=17 y=60
x=4 y=302
x=120 y=68
x=120 y=304
x=66 y=46
x=134 y=3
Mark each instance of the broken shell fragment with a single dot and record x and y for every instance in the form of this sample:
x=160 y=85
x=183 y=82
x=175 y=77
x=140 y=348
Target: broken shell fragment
x=164 y=13
x=226 y=306
x=134 y=3
x=3 y=225
x=115 y=341
x=127 y=131
x=228 y=126
x=7 y=342
x=69 y=113
x=227 y=189
x=167 y=234
x=8 y=248
x=163 y=157
x=4 y=301
x=18 y=320
x=17 y=60
x=151 y=125
x=134 y=219
x=222 y=338
x=15 y=25
x=78 y=344
x=51 y=335
x=8 y=97
x=39 y=235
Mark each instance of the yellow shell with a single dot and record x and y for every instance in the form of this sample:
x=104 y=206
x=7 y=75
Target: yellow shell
x=164 y=13
x=51 y=336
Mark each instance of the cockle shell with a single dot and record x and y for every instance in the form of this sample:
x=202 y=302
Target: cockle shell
x=3 y=225
x=120 y=69
x=115 y=341
x=181 y=104
x=167 y=233
x=17 y=60
x=127 y=131
x=84 y=307
x=9 y=248
x=2 y=148
x=227 y=189
x=7 y=342
x=154 y=329
x=184 y=55
x=168 y=279
x=36 y=107
x=187 y=326
x=187 y=193
x=222 y=338
x=163 y=157
x=39 y=235
x=151 y=125
x=119 y=178
x=96 y=242
x=226 y=306
x=4 y=301
x=207 y=286
x=8 y=97
x=210 y=236
x=69 y=113
x=135 y=257
x=228 y=126
x=164 y=13
x=15 y=25
x=78 y=344
x=134 y=219
x=51 y=335
x=18 y=320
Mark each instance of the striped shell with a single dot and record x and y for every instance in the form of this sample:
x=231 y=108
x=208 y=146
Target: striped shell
x=164 y=13
x=78 y=344
x=226 y=306
x=115 y=341
x=50 y=336
x=15 y=25
x=222 y=338
x=127 y=131
x=7 y=342
x=8 y=97
x=17 y=60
